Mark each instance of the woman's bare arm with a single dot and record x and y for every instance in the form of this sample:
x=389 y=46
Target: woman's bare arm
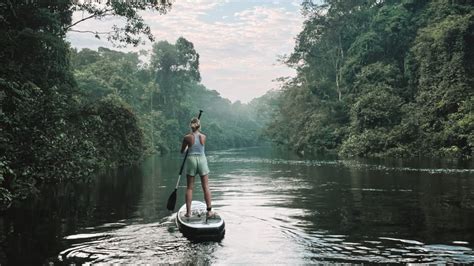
x=184 y=145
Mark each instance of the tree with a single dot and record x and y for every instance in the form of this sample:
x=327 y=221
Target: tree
x=174 y=66
x=379 y=78
x=50 y=130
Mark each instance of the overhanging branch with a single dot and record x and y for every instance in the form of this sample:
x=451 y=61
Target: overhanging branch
x=101 y=14
x=90 y=31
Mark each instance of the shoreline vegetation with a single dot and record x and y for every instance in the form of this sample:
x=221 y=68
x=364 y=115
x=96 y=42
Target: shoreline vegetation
x=67 y=113
x=374 y=78
x=381 y=78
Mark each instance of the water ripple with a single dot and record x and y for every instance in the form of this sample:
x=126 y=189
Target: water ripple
x=136 y=243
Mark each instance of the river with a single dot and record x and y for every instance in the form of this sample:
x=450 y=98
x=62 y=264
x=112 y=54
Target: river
x=278 y=209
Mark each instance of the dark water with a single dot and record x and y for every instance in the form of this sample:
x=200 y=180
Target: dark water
x=278 y=209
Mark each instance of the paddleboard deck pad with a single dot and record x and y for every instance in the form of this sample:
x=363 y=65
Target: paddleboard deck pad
x=199 y=226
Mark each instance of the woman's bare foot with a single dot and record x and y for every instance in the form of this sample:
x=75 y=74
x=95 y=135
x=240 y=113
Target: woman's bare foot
x=210 y=214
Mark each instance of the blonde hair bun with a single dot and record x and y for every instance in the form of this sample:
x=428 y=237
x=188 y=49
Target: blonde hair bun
x=195 y=124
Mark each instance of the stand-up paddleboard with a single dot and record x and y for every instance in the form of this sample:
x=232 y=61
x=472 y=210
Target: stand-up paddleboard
x=199 y=226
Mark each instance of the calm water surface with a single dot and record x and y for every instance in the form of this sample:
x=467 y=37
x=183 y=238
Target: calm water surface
x=278 y=208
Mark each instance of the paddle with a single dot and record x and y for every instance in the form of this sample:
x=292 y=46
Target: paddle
x=172 y=199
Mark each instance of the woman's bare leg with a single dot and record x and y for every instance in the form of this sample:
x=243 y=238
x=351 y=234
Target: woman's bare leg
x=205 y=189
x=189 y=195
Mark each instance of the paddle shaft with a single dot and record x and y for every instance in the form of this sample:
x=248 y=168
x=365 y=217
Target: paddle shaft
x=185 y=157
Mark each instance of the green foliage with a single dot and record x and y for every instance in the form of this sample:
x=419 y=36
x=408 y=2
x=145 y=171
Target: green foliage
x=294 y=121
x=164 y=95
x=173 y=68
x=444 y=80
x=5 y=195
x=40 y=142
x=117 y=133
x=370 y=141
x=6 y=199
x=264 y=108
x=378 y=78
x=32 y=45
x=51 y=130
x=376 y=108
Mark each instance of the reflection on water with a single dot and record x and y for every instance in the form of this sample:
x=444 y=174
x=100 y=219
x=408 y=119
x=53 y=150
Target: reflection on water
x=277 y=208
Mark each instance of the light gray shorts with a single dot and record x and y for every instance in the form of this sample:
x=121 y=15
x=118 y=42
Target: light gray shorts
x=196 y=164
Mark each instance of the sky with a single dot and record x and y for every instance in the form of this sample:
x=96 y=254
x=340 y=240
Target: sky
x=239 y=41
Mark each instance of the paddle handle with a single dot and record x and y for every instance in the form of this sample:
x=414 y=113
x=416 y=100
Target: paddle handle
x=186 y=156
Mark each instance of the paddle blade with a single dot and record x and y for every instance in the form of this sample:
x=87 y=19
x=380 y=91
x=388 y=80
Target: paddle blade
x=171 y=201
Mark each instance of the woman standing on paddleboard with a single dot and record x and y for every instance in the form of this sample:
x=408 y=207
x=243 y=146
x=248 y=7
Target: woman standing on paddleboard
x=196 y=163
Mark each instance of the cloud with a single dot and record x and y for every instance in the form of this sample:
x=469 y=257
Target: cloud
x=238 y=48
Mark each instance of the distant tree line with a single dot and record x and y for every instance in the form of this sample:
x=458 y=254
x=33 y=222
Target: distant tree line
x=381 y=78
x=164 y=93
x=66 y=113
